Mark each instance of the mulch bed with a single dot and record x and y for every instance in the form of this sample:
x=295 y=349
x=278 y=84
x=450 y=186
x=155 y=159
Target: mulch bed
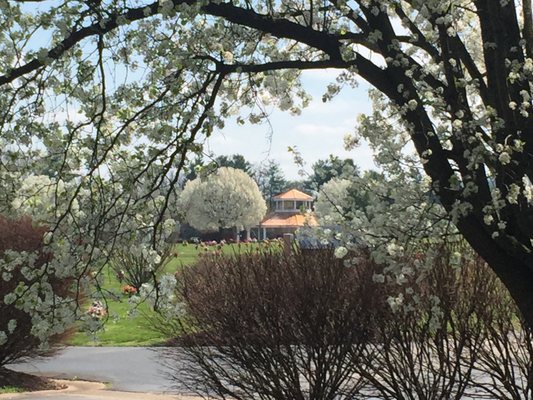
x=27 y=382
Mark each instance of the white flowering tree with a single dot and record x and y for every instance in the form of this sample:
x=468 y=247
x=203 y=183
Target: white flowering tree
x=227 y=198
x=77 y=246
x=108 y=96
x=333 y=203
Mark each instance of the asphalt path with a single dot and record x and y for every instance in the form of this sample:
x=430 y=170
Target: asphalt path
x=130 y=369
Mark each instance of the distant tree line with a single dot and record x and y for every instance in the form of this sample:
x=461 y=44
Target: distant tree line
x=269 y=175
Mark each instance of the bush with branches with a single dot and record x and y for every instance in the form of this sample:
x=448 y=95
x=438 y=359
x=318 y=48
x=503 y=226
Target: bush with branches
x=312 y=326
x=138 y=265
x=427 y=345
x=268 y=326
x=504 y=365
x=22 y=258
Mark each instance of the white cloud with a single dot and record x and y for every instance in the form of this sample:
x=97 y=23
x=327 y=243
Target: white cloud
x=309 y=129
x=317 y=132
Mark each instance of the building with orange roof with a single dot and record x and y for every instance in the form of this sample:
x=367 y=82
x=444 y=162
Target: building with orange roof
x=292 y=210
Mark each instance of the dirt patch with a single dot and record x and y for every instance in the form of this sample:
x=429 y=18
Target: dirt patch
x=27 y=382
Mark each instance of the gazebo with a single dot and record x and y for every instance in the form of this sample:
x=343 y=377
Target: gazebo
x=292 y=210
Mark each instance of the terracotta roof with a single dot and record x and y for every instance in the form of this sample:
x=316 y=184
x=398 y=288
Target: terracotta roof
x=293 y=194
x=285 y=220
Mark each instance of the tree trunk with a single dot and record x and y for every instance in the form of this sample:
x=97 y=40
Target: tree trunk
x=512 y=270
x=518 y=278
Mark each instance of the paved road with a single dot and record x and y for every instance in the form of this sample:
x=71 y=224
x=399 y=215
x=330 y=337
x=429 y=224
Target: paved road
x=132 y=369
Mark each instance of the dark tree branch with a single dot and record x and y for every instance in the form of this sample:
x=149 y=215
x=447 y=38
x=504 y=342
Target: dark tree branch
x=281 y=28
x=277 y=65
x=99 y=28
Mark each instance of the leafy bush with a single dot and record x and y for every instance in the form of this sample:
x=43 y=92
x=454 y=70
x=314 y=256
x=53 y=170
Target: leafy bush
x=270 y=326
x=19 y=239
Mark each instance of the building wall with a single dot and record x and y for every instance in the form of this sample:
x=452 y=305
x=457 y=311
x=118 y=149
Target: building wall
x=273 y=233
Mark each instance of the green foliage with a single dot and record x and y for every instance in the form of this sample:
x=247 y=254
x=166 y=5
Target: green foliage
x=332 y=167
x=236 y=161
x=10 y=389
x=193 y=167
x=271 y=180
x=200 y=166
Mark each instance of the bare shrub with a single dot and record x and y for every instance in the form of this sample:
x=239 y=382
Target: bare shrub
x=505 y=362
x=134 y=267
x=307 y=327
x=427 y=346
x=21 y=236
x=269 y=326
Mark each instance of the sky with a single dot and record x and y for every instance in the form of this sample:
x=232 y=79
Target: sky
x=317 y=132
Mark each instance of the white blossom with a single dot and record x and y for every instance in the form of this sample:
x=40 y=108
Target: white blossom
x=341 y=252
x=504 y=158
x=228 y=198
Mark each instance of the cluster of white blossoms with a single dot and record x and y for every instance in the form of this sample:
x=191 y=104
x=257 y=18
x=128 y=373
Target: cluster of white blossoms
x=79 y=247
x=108 y=109
x=391 y=212
x=227 y=198
x=161 y=297
x=333 y=202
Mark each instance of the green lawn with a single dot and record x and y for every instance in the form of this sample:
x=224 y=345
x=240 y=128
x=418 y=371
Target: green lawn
x=10 y=389
x=124 y=330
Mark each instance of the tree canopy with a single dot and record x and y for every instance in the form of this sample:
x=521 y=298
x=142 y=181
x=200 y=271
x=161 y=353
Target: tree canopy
x=236 y=161
x=205 y=164
x=332 y=167
x=227 y=198
x=107 y=97
x=270 y=179
x=333 y=202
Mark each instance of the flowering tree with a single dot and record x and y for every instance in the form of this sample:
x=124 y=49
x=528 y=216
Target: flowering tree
x=46 y=295
x=333 y=202
x=122 y=90
x=228 y=198
x=21 y=336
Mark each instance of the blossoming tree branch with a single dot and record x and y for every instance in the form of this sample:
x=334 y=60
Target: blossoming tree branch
x=102 y=100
